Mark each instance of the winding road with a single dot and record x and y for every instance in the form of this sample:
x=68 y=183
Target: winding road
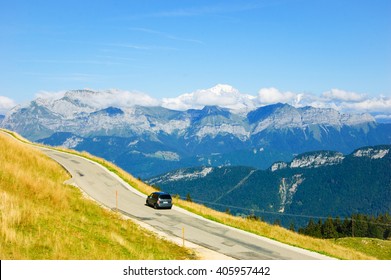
x=109 y=190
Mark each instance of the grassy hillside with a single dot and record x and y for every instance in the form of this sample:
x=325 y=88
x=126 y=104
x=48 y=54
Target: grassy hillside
x=377 y=248
x=343 y=249
x=41 y=218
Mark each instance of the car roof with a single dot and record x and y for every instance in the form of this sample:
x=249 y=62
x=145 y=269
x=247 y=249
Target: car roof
x=161 y=192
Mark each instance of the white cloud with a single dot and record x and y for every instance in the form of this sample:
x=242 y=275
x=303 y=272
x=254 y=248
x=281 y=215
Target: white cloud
x=221 y=95
x=122 y=98
x=383 y=118
x=341 y=100
x=228 y=97
x=342 y=95
x=6 y=104
x=377 y=104
x=273 y=95
x=182 y=102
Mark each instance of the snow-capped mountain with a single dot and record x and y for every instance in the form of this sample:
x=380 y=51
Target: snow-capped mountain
x=84 y=112
x=221 y=95
x=115 y=126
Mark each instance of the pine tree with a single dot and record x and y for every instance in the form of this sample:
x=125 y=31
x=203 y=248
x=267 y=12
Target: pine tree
x=310 y=229
x=292 y=226
x=360 y=225
x=328 y=229
x=346 y=228
x=318 y=229
x=338 y=226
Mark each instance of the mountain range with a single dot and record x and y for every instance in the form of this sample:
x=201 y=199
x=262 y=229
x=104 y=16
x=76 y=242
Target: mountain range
x=312 y=185
x=151 y=140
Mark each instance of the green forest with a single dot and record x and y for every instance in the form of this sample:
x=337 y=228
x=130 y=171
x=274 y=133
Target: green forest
x=358 y=225
x=290 y=196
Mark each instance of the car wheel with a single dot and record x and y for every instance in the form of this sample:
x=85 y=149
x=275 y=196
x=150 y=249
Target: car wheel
x=155 y=206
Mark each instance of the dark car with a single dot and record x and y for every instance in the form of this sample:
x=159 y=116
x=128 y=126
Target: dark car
x=159 y=200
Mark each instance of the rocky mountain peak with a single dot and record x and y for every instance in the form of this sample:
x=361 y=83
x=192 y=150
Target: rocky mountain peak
x=310 y=160
x=372 y=152
x=317 y=159
x=264 y=112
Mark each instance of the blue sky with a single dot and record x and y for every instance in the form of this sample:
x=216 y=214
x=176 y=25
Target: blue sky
x=167 y=48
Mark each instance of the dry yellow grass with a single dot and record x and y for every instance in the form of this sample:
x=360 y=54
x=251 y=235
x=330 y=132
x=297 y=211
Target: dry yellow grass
x=41 y=218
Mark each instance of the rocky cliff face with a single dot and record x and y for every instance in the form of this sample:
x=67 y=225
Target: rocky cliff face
x=124 y=132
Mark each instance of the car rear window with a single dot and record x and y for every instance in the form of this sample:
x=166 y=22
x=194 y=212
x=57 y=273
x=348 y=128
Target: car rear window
x=165 y=196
